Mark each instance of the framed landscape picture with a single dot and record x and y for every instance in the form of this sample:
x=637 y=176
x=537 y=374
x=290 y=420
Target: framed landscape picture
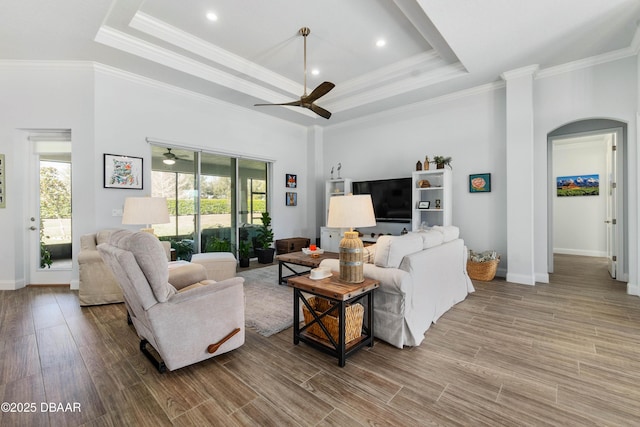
x=480 y=183
x=578 y=185
x=122 y=172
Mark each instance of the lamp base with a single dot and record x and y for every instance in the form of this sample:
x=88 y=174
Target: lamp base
x=351 y=258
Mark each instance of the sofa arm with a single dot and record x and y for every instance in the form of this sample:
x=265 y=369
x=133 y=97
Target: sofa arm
x=89 y=257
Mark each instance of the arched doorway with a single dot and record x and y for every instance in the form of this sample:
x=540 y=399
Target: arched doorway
x=602 y=226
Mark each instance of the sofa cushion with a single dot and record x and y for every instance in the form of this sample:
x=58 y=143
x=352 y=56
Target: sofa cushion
x=391 y=249
x=430 y=238
x=449 y=232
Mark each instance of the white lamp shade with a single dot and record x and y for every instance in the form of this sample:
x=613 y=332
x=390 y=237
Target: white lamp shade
x=351 y=211
x=145 y=210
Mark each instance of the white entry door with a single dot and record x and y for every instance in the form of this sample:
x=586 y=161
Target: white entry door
x=612 y=195
x=49 y=220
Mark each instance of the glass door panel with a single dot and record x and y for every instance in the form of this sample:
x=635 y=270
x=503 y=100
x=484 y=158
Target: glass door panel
x=217 y=203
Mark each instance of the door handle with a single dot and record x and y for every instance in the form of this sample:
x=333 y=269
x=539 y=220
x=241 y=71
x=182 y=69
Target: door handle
x=607 y=222
x=32 y=228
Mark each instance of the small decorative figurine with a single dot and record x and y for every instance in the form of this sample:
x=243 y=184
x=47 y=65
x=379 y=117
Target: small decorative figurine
x=418 y=166
x=437 y=203
x=331 y=172
x=339 y=167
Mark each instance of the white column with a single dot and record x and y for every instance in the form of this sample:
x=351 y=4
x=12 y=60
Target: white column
x=520 y=176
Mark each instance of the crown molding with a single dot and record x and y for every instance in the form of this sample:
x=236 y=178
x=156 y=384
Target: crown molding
x=587 y=62
x=172 y=35
x=529 y=70
x=399 y=87
x=155 y=84
x=48 y=64
x=404 y=110
x=127 y=43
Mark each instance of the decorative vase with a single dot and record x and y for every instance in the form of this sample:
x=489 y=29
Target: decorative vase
x=419 y=166
x=426 y=163
x=439 y=165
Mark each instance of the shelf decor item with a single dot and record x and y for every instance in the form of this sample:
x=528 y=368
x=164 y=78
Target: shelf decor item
x=122 y=172
x=424 y=204
x=480 y=183
x=348 y=212
x=441 y=162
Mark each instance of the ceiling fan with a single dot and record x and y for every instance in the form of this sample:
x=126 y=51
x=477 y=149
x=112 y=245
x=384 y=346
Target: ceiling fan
x=169 y=157
x=308 y=101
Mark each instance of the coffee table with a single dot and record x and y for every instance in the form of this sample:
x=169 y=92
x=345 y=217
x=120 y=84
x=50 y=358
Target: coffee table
x=340 y=295
x=300 y=258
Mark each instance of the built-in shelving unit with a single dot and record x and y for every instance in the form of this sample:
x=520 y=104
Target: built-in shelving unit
x=438 y=194
x=330 y=237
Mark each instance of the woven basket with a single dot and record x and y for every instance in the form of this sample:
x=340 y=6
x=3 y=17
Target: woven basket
x=483 y=271
x=353 y=326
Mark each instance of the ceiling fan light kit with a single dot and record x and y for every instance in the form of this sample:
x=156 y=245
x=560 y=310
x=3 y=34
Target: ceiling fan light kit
x=308 y=101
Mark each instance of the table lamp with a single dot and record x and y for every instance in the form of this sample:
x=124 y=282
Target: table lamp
x=348 y=212
x=146 y=211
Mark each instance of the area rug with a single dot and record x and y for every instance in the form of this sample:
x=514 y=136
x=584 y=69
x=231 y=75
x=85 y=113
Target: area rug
x=269 y=306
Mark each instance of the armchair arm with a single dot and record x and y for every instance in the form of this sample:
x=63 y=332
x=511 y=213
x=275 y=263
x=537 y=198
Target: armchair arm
x=207 y=290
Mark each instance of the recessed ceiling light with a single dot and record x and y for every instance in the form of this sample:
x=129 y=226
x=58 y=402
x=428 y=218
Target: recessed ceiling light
x=381 y=42
x=315 y=71
x=212 y=16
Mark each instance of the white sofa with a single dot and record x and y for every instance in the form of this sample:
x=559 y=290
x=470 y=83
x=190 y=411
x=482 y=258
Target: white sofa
x=422 y=275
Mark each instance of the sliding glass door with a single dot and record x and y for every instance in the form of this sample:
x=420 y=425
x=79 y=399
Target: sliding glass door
x=214 y=200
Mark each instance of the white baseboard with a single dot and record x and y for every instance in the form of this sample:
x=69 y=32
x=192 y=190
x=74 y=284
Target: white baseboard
x=74 y=285
x=11 y=285
x=633 y=289
x=521 y=279
x=542 y=277
x=580 y=252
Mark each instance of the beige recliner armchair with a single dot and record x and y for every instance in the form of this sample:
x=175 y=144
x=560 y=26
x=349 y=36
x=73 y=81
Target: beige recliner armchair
x=97 y=284
x=184 y=324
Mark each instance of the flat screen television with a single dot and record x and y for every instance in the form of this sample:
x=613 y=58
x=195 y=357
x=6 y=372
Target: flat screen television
x=391 y=198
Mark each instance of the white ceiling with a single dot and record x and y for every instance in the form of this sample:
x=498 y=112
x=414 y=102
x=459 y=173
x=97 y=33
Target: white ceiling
x=253 y=53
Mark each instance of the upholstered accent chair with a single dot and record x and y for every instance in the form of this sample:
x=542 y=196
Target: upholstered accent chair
x=97 y=284
x=185 y=323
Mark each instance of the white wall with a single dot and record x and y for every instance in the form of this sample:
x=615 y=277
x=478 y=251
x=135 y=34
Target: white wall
x=563 y=96
x=470 y=129
x=113 y=112
x=578 y=222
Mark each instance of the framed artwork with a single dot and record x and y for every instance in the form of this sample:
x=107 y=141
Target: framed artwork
x=578 y=185
x=291 y=199
x=424 y=204
x=292 y=181
x=480 y=183
x=3 y=201
x=122 y=172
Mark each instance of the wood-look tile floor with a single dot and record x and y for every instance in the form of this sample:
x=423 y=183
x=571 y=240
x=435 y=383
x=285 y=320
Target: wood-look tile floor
x=564 y=353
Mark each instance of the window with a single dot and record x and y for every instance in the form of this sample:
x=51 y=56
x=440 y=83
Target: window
x=202 y=194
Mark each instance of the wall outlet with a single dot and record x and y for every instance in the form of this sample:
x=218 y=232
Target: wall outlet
x=116 y=212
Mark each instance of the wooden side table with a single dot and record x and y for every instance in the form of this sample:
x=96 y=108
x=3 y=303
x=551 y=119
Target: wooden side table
x=340 y=295
x=300 y=258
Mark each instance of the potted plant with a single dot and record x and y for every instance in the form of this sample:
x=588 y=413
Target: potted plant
x=264 y=240
x=441 y=161
x=244 y=248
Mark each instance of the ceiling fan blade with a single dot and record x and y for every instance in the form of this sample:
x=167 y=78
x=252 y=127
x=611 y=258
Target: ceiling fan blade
x=320 y=91
x=319 y=111
x=292 y=103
